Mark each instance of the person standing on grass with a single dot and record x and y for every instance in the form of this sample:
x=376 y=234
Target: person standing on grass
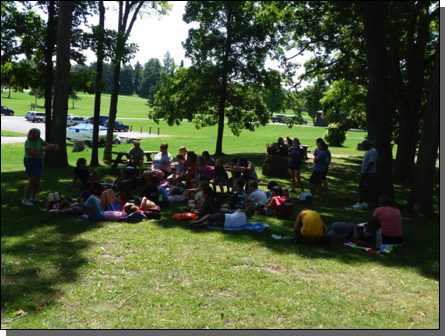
x=136 y=157
x=296 y=156
x=324 y=182
x=35 y=148
x=369 y=166
x=319 y=169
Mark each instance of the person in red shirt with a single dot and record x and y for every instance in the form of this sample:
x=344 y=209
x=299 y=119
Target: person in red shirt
x=391 y=220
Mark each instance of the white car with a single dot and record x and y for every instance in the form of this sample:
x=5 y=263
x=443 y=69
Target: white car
x=73 y=120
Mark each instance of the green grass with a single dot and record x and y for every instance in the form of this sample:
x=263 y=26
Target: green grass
x=160 y=274
x=12 y=134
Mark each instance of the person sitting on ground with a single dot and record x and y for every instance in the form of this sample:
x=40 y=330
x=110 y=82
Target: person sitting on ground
x=208 y=161
x=391 y=220
x=308 y=225
x=269 y=208
x=225 y=220
x=92 y=185
x=220 y=176
x=93 y=207
x=189 y=168
x=239 y=197
x=200 y=170
x=136 y=157
x=210 y=204
x=233 y=165
x=81 y=171
x=270 y=185
x=255 y=196
x=123 y=185
x=176 y=170
x=365 y=234
x=151 y=192
x=199 y=199
x=183 y=151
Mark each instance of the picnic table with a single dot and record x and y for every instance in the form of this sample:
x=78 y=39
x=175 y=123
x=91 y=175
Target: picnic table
x=120 y=154
x=305 y=150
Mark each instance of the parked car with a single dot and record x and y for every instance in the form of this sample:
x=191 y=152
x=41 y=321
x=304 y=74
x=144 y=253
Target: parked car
x=7 y=111
x=36 y=116
x=73 y=120
x=27 y=115
x=294 y=118
x=102 y=120
x=277 y=118
x=118 y=126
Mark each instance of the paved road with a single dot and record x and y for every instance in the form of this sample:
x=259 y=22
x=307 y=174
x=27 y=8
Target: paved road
x=21 y=125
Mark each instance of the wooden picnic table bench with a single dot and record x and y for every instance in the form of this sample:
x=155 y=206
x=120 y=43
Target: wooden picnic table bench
x=120 y=154
x=305 y=150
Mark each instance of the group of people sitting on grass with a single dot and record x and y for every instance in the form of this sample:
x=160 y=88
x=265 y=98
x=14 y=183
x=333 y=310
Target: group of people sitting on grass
x=191 y=179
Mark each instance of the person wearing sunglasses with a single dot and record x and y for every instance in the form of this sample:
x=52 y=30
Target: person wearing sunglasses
x=162 y=163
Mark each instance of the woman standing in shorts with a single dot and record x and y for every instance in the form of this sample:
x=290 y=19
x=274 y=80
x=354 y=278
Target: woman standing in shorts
x=319 y=170
x=296 y=156
x=324 y=182
x=35 y=148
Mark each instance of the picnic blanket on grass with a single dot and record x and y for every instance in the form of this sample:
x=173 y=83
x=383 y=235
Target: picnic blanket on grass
x=249 y=226
x=386 y=248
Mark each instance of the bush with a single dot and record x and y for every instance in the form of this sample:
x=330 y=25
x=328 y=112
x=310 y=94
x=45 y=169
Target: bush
x=335 y=135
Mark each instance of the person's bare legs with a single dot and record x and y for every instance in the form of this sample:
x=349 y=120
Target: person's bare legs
x=49 y=199
x=300 y=184
x=320 y=190
x=144 y=202
x=221 y=187
x=312 y=188
x=292 y=178
x=31 y=187
x=108 y=197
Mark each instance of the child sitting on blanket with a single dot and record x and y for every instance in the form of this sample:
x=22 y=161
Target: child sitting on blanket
x=239 y=197
x=224 y=220
x=365 y=234
x=199 y=199
x=210 y=204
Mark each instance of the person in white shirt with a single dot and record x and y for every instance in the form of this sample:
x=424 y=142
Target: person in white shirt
x=369 y=166
x=224 y=220
x=256 y=195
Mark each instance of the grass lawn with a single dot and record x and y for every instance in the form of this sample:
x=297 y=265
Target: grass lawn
x=12 y=134
x=160 y=274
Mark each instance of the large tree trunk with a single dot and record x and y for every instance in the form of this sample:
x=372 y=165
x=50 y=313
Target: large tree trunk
x=421 y=197
x=377 y=108
x=223 y=94
x=59 y=158
x=113 y=110
x=97 y=98
x=49 y=78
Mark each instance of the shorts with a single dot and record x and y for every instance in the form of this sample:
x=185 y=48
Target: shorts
x=316 y=177
x=323 y=177
x=34 y=166
x=365 y=182
x=218 y=180
x=115 y=206
x=166 y=174
x=295 y=168
x=217 y=219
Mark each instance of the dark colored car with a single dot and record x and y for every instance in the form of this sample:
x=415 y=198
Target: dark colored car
x=277 y=118
x=102 y=120
x=118 y=126
x=7 y=111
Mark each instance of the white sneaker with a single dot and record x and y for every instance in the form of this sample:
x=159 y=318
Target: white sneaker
x=364 y=205
x=27 y=202
x=36 y=200
x=357 y=206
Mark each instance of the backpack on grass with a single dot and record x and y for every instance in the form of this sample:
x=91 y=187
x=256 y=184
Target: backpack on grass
x=285 y=207
x=153 y=213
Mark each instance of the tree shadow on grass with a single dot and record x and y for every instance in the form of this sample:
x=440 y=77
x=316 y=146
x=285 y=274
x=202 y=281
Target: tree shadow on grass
x=39 y=251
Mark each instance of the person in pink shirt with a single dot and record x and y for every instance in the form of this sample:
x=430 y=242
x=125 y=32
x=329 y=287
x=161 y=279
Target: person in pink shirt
x=391 y=220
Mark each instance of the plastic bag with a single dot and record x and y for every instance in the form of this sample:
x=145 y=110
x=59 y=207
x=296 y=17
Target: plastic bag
x=187 y=215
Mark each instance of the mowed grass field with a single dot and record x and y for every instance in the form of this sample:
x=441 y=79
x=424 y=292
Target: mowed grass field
x=160 y=274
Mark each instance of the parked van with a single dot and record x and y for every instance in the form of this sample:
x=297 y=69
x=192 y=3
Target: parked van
x=36 y=116
x=102 y=120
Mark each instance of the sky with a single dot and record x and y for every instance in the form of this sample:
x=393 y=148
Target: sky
x=157 y=36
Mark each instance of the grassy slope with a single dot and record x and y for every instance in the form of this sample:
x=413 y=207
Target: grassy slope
x=159 y=274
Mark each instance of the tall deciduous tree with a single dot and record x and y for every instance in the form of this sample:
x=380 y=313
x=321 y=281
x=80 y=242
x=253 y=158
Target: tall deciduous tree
x=61 y=89
x=421 y=197
x=125 y=25
x=235 y=37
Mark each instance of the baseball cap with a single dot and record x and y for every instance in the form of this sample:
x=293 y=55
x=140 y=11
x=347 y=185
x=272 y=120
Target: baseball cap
x=366 y=142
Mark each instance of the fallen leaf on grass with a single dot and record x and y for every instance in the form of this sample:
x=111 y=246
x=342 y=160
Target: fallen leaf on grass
x=252 y=246
x=411 y=319
x=41 y=307
x=370 y=309
x=423 y=314
x=19 y=312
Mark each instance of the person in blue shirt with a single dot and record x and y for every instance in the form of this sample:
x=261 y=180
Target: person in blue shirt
x=319 y=169
x=369 y=166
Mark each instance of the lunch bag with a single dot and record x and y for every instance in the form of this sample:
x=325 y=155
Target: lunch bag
x=285 y=207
